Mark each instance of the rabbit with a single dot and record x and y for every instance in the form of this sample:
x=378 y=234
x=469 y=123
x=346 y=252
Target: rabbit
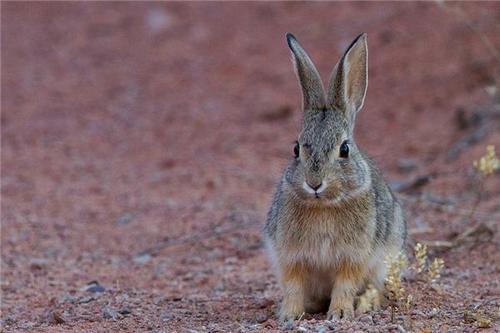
x=333 y=220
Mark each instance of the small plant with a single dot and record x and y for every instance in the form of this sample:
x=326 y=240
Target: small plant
x=434 y=272
x=489 y=163
x=394 y=286
x=420 y=256
x=370 y=300
x=409 y=302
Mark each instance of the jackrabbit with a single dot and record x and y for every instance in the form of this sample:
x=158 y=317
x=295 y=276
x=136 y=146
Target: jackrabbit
x=333 y=219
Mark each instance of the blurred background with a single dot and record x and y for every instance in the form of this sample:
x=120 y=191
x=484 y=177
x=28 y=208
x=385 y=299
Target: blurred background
x=141 y=143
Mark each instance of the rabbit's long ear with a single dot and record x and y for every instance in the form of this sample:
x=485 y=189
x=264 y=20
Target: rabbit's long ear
x=349 y=80
x=310 y=81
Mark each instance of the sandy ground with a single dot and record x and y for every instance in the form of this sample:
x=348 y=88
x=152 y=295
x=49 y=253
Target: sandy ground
x=141 y=144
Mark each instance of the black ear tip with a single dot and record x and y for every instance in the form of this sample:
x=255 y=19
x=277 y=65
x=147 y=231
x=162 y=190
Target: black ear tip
x=357 y=39
x=361 y=35
x=290 y=38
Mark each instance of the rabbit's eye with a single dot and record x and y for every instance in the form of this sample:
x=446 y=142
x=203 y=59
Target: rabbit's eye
x=344 y=150
x=296 y=150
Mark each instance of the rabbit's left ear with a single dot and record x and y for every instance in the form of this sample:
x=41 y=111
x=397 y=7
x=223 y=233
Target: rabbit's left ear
x=349 y=79
x=312 y=88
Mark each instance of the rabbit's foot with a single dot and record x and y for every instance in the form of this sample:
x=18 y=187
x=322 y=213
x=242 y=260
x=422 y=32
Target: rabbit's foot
x=341 y=310
x=291 y=309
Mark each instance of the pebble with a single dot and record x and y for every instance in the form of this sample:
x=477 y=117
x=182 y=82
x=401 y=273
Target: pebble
x=110 y=313
x=93 y=287
x=289 y=325
x=434 y=312
x=407 y=165
x=261 y=317
x=400 y=329
x=142 y=258
x=331 y=324
x=86 y=299
x=38 y=264
x=125 y=311
x=69 y=298
x=124 y=219
x=55 y=317
x=367 y=319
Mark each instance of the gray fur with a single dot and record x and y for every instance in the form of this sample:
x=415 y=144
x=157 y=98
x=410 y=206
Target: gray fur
x=355 y=221
x=312 y=88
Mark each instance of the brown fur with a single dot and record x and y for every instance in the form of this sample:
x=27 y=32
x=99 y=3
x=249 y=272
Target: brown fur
x=333 y=220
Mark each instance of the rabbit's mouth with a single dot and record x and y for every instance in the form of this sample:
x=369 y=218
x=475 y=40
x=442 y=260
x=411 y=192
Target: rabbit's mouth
x=315 y=194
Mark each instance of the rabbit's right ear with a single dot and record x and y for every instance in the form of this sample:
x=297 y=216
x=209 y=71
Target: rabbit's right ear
x=310 y=81
x=349 y=79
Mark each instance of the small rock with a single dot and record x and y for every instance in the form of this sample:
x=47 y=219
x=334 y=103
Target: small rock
x=322 y=329
x=142 y=258
x=125 y=311
x=86 y=299
x=93 y=287
x=301 y=329
x=400 y=329
x=367 y=319
x=330 y=324
x=406 y=165
x=69 y=298
x=416 y=312
x=288 y=325
x=434 y=312
x=124 y=219
x=261 y=317
x=264 y=303
x=110 y=313
x=55 y=317
x=166 y=316
x=37 y=264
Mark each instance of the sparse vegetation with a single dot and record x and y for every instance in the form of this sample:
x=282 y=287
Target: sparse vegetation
x=394 y=282
x=488 y=163
x=420 y=256
x=394 y=285
x=370 y=300
x=435 y=269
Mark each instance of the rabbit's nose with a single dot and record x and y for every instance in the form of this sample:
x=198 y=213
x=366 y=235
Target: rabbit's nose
x=314 y=189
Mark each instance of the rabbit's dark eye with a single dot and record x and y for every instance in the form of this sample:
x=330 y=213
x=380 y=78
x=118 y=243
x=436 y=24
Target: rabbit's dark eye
x=296 y=150
x=344 y=150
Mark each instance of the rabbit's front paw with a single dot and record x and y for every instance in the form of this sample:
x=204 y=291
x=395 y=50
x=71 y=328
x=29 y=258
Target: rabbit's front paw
x=342 y=310
x=291 y=310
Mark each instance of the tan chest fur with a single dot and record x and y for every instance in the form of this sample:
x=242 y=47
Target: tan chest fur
x=323 y=238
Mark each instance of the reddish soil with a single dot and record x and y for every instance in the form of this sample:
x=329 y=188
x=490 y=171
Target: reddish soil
x=141 y=143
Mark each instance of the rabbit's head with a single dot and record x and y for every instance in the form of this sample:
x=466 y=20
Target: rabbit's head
x=328 y=167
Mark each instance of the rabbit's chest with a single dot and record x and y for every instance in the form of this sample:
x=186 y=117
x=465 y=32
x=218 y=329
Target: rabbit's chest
x=324 y=242
x=322 y=250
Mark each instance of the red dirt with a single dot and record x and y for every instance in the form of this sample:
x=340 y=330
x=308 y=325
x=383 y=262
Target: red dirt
x=141 y=143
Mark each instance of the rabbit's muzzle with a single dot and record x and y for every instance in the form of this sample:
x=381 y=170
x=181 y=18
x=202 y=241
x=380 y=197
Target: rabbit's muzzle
x=314 y=174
